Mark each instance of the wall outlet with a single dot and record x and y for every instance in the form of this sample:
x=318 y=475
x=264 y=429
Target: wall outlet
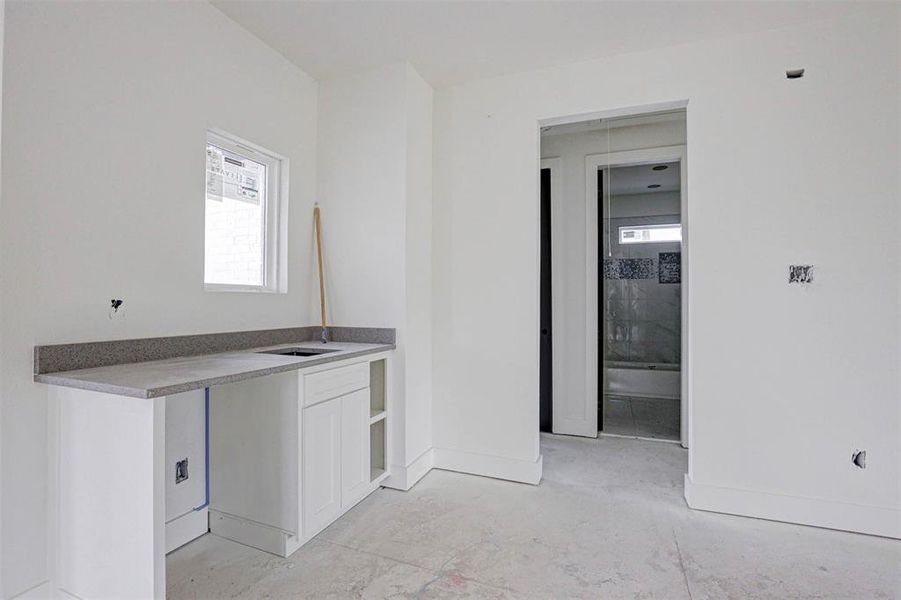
x=800 y=273
x=181 y=470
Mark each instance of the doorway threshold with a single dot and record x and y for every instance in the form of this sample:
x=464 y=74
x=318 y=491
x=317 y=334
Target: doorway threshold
x=638 y=437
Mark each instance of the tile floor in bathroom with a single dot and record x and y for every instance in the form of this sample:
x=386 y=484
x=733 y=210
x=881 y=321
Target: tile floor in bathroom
x=656 y=418
x=607 y=521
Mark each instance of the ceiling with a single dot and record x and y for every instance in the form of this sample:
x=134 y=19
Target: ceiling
x=450 y=42
x=635 y=180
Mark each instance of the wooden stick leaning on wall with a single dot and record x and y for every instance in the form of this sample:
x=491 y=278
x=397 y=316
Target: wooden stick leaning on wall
x=317 y=222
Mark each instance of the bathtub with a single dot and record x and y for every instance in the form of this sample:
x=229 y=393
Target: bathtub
x=643 y=380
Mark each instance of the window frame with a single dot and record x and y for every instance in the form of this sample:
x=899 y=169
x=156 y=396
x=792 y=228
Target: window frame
x=274 y=214
x=654 y=226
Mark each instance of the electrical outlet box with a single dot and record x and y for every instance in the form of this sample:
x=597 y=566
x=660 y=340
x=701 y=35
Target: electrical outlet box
x=117 y=309
x=800 y=273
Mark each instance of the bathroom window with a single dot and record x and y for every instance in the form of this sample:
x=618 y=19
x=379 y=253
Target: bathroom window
x=650 y=234
x=243 y=233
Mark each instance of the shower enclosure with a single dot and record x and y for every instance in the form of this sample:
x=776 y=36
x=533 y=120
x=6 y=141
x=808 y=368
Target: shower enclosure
x=639 y=307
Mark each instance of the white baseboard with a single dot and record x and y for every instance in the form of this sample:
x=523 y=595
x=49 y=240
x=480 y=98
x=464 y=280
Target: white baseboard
x=185 y=528
x=42 y=591
x=521 y=471
x=403 y=478
x=858 y=518
x=263 y=537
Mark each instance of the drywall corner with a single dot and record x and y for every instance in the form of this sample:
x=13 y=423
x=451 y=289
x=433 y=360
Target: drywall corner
x=418 y=276
x=375 y=187
x=2 y=31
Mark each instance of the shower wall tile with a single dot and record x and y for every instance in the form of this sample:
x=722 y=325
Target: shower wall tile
x=642 y=300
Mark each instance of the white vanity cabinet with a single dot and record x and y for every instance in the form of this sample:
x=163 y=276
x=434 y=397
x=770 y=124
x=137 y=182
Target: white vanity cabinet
x=186 y=510
x=335 y=458
x=290 y=453
x=254 y=462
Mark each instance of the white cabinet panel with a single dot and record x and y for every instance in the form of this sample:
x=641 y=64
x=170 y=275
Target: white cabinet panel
x=321 y=465
x=185 y=448
x=253 y=450
x=354 y=447
x=326 y=385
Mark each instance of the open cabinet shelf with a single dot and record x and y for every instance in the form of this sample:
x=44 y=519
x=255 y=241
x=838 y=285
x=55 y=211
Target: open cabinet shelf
x=378 y=418
x=377 y=389
x=376 y=449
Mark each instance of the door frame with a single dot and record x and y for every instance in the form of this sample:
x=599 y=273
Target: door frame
x=621 y=159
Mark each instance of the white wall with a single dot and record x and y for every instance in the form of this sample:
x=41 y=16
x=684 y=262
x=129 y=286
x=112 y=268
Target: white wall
x=785 y=383
x=106 y=108
x=569 y=253
x=374 y=178
x=418 y=321
x=657 y=204
x=2 y=29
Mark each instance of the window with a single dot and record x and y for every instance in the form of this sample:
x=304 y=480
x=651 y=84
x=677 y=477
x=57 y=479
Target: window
x=242 y=232
x=650 y=234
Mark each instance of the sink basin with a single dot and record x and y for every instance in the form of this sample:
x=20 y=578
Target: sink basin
x=298 y=351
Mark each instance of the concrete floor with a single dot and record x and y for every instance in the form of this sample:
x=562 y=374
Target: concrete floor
x=607 y=521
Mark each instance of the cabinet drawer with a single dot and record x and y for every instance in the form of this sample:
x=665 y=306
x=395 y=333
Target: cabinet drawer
x=324 y=385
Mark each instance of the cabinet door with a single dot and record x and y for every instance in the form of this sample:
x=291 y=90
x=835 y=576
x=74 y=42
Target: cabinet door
x=321 y=465
x=354 y=447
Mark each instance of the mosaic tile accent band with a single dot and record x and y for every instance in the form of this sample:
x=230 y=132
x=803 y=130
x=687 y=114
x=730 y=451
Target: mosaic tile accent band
x=669 y=267
x=628 y=268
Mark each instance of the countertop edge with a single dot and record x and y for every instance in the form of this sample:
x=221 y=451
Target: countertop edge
x=58 y=379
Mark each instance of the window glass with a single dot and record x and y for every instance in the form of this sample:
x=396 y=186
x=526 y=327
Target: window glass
x=236 y=208
x=649 y=234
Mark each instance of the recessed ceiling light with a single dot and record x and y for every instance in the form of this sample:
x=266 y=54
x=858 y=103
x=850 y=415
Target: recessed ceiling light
x=660 y=168
x=653 y=186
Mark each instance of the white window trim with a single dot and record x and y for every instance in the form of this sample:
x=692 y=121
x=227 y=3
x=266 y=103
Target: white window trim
x=275 y=275
x=657 y=226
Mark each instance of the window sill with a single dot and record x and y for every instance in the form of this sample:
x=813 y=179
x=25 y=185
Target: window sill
x=253 y=289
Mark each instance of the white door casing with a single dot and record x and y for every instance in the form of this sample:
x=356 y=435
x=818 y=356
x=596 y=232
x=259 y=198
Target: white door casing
x=593 y=163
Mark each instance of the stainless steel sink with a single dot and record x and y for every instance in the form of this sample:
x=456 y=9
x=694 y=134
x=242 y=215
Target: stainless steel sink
x=298 y=351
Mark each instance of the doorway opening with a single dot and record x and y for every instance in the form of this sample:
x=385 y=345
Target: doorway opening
x=640 y=302
x=613 y=277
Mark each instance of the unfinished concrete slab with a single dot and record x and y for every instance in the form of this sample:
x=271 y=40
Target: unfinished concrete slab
x=607 y=521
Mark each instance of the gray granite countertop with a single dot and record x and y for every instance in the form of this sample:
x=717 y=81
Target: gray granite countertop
x=152 y=379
